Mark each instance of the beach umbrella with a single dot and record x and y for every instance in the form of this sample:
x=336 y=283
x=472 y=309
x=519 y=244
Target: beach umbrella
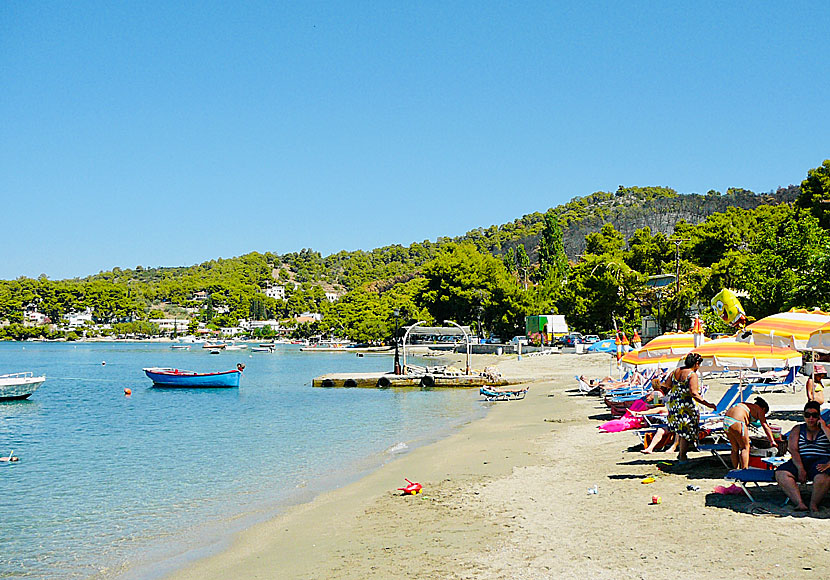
x=636 y=341
x=671 y=343
x=819 y=340
x=608 y=345
x=638 y=360
x=732 y=354
x=697 y=332
x=787 y=329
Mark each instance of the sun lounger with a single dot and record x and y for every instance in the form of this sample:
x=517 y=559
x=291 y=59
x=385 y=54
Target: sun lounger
x=503 y=393
x=733 y=395
x=586 y=388
x=751 y=475
x=788 y=381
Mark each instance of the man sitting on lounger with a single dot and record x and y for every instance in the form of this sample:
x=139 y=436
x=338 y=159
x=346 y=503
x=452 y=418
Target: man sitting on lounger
x=809 y=445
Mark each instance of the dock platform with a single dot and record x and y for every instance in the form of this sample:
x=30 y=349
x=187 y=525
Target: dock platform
x=382 y=380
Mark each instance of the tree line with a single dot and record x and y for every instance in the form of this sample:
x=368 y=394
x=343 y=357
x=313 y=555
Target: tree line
x=778 y=254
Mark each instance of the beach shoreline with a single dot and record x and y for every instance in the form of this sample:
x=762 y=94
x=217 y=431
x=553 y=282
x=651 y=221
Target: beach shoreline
x=506 y=496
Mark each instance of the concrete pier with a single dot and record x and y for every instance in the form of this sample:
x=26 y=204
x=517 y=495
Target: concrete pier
x=426 y=380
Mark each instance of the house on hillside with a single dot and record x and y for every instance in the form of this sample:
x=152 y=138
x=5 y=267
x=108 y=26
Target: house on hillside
x=78 y=319
x=275 y=292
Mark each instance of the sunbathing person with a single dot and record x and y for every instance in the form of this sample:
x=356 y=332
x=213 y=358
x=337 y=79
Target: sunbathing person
x=736 y=424
x=662 y=436
x=814 y=388
x=809 y=446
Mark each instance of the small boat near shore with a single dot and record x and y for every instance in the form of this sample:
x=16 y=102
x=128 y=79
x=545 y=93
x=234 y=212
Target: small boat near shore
x=166 y=377
x=180 y=346
x=214 y=345
x=16 y=386
x=262 y=349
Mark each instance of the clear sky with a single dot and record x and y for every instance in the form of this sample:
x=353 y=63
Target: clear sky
x=169 y=133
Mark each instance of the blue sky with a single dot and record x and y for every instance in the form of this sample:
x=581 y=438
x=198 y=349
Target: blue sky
x=169 y=133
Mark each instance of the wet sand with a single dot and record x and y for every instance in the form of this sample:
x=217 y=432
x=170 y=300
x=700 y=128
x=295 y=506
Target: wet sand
x=506 y=497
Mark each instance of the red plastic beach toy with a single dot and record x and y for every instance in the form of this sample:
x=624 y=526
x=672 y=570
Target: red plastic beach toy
x=410 y=489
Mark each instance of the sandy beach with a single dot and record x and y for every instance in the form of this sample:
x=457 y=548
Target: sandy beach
x=507 y=497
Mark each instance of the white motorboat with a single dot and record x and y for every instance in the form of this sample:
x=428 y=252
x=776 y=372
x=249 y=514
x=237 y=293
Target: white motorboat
x=19 y=385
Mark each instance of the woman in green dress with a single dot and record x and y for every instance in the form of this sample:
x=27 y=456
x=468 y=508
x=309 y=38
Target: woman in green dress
x=684 y=391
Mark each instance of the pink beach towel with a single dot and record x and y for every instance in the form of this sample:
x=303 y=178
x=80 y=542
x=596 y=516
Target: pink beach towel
x=627 y=421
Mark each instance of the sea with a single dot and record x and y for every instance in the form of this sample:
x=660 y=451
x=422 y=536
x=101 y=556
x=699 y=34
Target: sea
x=116 y=486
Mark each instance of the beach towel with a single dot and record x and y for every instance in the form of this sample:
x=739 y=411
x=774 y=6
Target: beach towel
x=626 y=422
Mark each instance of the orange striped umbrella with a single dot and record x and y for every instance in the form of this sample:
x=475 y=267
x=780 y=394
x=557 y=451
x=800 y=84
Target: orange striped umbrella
x=731 y=354
x=788 y=329
x=819 y=339
x=671 y=343
x=640 y=361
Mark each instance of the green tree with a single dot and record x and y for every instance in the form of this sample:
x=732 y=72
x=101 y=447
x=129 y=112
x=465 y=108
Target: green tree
x=815 y=193
x=553 y=263
x=461 y=284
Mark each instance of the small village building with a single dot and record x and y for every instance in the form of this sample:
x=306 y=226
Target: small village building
x=275 y=292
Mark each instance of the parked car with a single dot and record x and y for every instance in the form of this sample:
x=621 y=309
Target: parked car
x=591 y=339
x=572 y=339
x=519 y=340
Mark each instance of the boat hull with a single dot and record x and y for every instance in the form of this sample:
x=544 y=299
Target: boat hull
x=19 y=386
x=189 y=379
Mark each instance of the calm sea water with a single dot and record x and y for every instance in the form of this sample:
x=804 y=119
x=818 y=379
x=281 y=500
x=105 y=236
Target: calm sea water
x=112 y=485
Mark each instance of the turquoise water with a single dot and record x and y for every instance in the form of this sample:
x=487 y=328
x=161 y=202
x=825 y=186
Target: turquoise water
x=111 y=485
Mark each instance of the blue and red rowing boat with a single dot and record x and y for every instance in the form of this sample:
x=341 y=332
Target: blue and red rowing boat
x=190 y=379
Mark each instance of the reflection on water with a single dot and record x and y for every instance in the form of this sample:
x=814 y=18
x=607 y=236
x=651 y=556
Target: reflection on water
x=107 y=478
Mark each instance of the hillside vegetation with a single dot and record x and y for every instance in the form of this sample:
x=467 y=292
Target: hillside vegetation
x=589 y=258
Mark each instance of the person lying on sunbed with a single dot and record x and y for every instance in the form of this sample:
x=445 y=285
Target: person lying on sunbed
x=609 y=383
x=809 y=446
x=736 y=424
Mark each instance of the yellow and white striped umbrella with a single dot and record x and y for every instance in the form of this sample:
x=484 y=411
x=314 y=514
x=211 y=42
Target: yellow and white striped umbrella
x=819 y=339
x=787 y=329
x=669 y=344
x=640 y=361
x=732 y=354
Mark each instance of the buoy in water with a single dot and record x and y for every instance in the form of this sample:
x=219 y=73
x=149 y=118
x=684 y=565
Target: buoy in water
x=103 y=363
x=128 y=392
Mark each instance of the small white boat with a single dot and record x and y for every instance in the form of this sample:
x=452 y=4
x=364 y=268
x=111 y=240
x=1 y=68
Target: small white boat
x=19 y=385
x=262 y=349
x=236 y=347
x=180 y=346
x=214 y=345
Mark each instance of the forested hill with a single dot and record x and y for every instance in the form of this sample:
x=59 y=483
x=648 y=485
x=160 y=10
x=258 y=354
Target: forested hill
x=630 y=209
x=627 y=209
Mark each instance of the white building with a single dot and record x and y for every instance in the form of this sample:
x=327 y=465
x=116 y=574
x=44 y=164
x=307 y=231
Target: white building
x=251 y=325
x=79 y=319
x=171 y=324
x=275 y=292
x=332 y=296
x=34 y=318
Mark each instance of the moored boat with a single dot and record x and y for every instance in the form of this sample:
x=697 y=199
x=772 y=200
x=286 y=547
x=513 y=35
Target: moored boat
x=19 y=385
x=180 y=346
x=166 y=377
x=214 y=345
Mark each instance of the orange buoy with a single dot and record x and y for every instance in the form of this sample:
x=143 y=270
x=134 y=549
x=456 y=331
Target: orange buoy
x=128 y=392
